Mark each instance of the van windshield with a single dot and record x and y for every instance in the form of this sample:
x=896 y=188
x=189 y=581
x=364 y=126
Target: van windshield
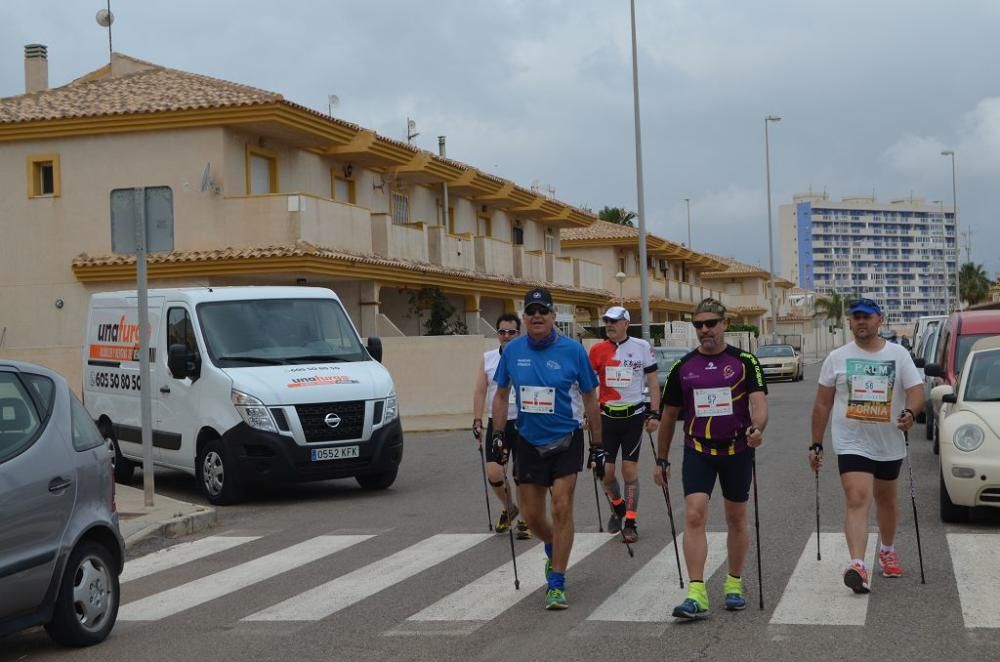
x=277 y=332
x=965 y=344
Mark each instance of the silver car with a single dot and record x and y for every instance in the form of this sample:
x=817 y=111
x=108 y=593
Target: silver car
x=60 y=548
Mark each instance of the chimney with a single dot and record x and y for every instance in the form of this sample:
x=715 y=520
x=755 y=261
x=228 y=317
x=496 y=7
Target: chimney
x=36 y=68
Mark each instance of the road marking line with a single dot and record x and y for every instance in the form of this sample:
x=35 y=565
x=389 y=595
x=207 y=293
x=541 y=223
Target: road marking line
x=353 y=587
x=650 y=595
x=494 y=593
x=185 y=552
x=976 y=561
x=815 y=593
x=200 y=591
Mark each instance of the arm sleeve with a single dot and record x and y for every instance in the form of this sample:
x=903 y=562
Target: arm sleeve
x=755 y=376
x=672 y=393
x=588 y=378
x=827 y=374
x=502 y=376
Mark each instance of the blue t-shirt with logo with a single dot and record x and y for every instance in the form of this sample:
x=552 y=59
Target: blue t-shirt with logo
x=544 y=377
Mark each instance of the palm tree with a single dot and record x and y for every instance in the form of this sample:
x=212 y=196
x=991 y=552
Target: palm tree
x=832 y=308
x=974 y=284
x=617 y=215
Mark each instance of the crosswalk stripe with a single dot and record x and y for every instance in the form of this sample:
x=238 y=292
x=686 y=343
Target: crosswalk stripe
x=185 y=552
x=976 y=561
x=815 y=594
x=200 y=591
x=494 y=593
x=650 y=595
x=353 y=587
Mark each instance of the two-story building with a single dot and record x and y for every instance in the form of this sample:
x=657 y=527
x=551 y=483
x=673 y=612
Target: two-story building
x=746 y=289
x=265 y=191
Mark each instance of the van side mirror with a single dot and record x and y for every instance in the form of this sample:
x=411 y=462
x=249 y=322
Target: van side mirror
x=950 y=398
x=375 y=348
x=933 y=370
x=920 y=363
x=182 y=363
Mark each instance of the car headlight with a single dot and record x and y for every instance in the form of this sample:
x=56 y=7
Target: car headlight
x=391 y=409
x=253 y=411
x=969 y=437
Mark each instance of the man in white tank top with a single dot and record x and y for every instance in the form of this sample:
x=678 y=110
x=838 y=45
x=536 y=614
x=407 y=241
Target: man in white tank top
x=508 y=328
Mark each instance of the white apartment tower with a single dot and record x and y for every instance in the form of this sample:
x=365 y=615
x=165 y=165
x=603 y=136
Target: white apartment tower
x=901 y=253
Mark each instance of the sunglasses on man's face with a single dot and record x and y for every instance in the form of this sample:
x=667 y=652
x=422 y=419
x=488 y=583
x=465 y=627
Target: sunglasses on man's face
x=508 y=332
x=536 y=310
x=709 y=324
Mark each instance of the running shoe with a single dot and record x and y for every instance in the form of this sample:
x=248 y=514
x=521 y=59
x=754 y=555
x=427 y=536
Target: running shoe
x=889 y=564
x=690 y=609
x=629 y=532
x=614 y=523
x=733 y=590
x=556 y=599
x=523 y=533
x=856 y=578
x=503 y=523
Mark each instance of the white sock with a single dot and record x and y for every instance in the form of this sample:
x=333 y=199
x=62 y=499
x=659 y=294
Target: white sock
x=887 y=548
x=861 y=562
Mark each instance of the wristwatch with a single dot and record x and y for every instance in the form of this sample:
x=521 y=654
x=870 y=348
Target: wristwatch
x=662 y=462
x=652 y=413
x=907 y=411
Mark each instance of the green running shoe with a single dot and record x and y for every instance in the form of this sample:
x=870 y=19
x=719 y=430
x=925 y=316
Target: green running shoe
x=556 y=599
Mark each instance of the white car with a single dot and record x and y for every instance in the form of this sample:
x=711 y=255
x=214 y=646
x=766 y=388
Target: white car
x=970 y=435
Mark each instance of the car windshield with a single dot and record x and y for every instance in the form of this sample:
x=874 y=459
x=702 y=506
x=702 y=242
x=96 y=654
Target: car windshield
x=984 y=378
x=770 y=351
x=278 y=332
x=965 y=344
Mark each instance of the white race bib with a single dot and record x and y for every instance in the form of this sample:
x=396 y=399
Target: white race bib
x=713 y=402
x=617 y=376
x=869 y=388
x=538 y=399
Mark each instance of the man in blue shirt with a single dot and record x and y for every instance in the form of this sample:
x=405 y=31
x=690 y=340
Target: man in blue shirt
x=546 y=371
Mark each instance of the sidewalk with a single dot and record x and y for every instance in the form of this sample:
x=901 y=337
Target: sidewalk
x=168 y=517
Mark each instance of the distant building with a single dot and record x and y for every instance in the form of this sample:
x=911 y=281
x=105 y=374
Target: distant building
x=901 y=253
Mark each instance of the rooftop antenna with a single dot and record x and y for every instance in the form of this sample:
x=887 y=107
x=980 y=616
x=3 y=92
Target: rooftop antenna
x=332 y=101
x=411 y=131
x=105 y=18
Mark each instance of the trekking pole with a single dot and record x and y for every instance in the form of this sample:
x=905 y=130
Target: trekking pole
x=670 y=514
x=486 y=490
x=510 y=528
x=913 y=500
x=818 y=557
x=756 y=523
x=597 y=498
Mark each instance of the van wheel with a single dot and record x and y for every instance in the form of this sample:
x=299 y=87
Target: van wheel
x=377 y=481
x=87 y=602
x=124 y=468
x=951 y=513
x=218 y=481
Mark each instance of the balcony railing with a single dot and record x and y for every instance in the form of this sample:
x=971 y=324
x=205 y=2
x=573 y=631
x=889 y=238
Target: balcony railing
x=529 y=265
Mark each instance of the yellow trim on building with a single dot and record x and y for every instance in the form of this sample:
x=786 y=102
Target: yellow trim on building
x=35 y=166
x=272 y=159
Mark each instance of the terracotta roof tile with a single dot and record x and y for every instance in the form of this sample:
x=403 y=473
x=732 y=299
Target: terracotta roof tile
x=600 y=230
x=305 y=249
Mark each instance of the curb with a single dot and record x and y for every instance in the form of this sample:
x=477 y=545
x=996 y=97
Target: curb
x=182 y=525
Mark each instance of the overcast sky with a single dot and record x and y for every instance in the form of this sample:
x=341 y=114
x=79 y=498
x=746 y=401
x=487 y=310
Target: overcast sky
x=541 y=91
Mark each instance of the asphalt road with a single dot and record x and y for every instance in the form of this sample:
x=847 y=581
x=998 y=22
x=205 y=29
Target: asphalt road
x=393 y=587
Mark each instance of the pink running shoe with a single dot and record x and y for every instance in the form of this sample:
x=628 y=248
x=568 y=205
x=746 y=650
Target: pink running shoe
x=889 y=564
x=856 y=578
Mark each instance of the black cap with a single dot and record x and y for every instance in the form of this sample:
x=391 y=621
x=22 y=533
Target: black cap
x=540 y=296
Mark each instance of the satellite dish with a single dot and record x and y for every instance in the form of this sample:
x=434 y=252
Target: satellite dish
x=411 y=125
x=207 y=183
x=333 y=100
x=105 y=18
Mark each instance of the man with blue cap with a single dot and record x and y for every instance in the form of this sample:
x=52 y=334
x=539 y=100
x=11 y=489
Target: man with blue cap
x=873 y=391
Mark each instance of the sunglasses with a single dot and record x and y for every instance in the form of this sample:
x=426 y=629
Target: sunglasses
x=536 y=310
x=507 y=332
x=708 y=324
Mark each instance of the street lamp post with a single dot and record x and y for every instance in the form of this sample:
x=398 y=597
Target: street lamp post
x=688 y=201
x=620 y=277
x=944 y=256
x=770 y=240
x=954 y=211
x=643 y=272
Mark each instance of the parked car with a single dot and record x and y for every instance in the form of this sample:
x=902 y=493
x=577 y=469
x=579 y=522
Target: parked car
x=920 y=328
x=961 y=331
x=780 y=362
x=61 y=552
x=925 y=354
x=888 y=334
x=665 y=359
x=970 y=435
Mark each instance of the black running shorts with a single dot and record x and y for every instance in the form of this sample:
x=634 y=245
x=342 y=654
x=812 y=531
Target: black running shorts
x=510 y=435
x=623 y=433
x=882 y=470
x=530 y=467
x=733 y=471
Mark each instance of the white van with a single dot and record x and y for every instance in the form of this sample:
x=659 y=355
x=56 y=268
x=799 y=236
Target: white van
x=249 y=384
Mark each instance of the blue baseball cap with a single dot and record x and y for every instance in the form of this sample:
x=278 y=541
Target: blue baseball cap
x=866 y=306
